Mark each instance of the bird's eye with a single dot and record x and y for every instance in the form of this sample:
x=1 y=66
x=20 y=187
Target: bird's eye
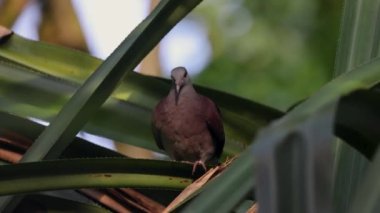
x=185 y=75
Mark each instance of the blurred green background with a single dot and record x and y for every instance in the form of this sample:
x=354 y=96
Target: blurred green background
x=273 y=52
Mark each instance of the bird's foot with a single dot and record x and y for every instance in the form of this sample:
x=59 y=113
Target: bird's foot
x=198 y=163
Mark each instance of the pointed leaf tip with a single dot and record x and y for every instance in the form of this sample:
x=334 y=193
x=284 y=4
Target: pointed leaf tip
x=5 y=34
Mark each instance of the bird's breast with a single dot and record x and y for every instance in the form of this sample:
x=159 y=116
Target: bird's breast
x=184 y=129
x=186 y=122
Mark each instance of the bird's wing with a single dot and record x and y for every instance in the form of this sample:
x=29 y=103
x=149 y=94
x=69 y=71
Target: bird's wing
x=215 y=125
x=155 y=126
x=157 y=136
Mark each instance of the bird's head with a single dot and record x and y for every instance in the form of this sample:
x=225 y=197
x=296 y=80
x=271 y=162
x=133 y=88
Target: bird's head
x=180 y=79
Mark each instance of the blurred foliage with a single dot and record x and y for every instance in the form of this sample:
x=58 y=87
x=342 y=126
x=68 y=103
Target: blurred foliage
x=273 y=52
x=271 y=43
x=59 y=23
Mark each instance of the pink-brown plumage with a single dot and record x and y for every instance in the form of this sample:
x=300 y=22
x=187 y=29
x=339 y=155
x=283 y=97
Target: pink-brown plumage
x=188 y=126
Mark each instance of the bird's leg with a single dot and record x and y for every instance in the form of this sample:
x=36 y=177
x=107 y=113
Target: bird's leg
x=200 y=163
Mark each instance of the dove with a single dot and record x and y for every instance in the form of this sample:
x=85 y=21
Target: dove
x=186 y=125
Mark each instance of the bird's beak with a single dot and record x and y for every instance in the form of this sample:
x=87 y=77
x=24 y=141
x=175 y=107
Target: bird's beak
x=177 y=90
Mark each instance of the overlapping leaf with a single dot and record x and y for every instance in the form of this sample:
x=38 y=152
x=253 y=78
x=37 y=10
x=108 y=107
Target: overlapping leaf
x=358 y=44
x=86 y=173
x=99 y=85
x=364 y=78
x=32 y=88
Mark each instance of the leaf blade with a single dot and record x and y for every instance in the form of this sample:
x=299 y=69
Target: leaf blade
x=103 y=81
x=98 y=172
x=50 y=86
x=358 y=44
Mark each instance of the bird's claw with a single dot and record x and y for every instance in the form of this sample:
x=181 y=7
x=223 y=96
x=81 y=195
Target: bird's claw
x=198 y=163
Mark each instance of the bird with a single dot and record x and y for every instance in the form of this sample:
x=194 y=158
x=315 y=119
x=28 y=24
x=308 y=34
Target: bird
x=186 y=125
